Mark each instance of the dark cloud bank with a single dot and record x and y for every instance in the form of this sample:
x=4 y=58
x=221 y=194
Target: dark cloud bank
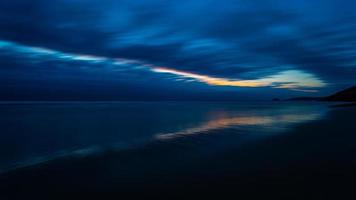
x=239 y=39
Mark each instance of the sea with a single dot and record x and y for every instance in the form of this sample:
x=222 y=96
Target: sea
x=35 y=132
x=171 y=149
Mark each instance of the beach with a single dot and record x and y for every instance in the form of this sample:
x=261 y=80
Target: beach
x=280 y=150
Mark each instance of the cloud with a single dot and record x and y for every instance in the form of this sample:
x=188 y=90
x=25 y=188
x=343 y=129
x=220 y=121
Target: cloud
x=291 y=79
x=233 y=40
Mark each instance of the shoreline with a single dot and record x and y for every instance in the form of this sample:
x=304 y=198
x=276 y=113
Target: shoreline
x=290 y=162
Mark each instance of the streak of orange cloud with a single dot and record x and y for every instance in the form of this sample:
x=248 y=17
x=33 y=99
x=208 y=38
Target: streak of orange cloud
x=212 y=80
x=291 y=79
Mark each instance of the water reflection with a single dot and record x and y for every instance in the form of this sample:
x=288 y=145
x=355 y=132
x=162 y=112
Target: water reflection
x=223 y=121
x=35 y=133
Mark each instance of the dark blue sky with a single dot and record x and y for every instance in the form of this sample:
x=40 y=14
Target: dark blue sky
x=159 y=49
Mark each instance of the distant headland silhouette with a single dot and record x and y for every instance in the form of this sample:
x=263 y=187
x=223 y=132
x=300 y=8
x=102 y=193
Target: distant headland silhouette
x=347 y=95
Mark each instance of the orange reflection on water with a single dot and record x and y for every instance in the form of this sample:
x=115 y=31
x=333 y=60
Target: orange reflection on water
x=226 y=122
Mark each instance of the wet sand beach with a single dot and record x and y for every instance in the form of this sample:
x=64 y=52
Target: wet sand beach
x=312 y=160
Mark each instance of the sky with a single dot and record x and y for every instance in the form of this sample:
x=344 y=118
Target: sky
x=175 y=50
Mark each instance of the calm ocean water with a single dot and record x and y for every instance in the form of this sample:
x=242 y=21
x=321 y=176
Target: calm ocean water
x=32 y=133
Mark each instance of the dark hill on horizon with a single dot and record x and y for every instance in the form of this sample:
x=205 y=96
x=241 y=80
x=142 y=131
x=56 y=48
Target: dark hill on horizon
x=347 y=95
x=344 y=95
